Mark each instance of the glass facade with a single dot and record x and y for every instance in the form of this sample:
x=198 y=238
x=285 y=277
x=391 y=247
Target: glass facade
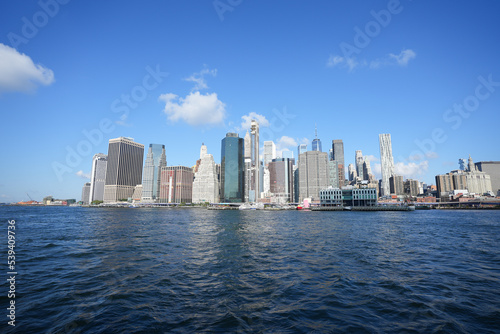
x=155 y=159
x=232 y=169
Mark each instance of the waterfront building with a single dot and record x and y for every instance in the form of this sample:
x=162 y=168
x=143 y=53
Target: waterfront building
x=477 y=182
x=412 y=187
x=232 y=169
x=266 y=183
x=491 y=168
x=269 y=152
x=248 y=145
x=85 y=193
x=97 y=178
x=137 y=195
x=206 y=182
x=387 y=162
x=444 y=184
x=155 y=159
x=296 y=183
x=313 y=174
x=176 y=184
x=281 y=178
x=254 y=186
x=396 y=185
x=359 y=164
x=348 y=196
x=338 y=157
x=459 y=180
x=123 y=169
x=333 y=174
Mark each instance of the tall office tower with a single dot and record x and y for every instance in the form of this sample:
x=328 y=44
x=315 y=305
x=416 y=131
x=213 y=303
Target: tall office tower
x=281 y=179
x=155 y=159
x=248 y=146
x=85 y=193
x=124 y=169
x=97 y=177
x=269 y=152
x=176 y=184
x=302 y=148
x=387 y=162
x=412 y=187
x=359 y=164
x=367 y=170
x=492 y=168
x=232 y=169
x=351 y=172
x=316 y=143
x=206 y=183
x=296 y=183
x=330 y=154
x=313 y=174
x=444 y=184
x=254 y=192
x=338 y=157
x=396 y=184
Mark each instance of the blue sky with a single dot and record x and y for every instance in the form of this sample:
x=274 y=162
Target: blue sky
x=181 y=73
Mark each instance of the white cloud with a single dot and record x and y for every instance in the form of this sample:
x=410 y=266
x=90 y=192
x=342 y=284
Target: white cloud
x=4 y=196
x=83 y=175
x=247 y=119
x=285 y=142
x=199 y=78
x=403 y=57
x=371 y=158
x=195 y=108
x=411 y=170
x=18 y=73
x=391 y=59
x=376 y=170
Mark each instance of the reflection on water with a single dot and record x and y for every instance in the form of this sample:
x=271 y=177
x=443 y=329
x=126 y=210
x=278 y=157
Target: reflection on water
x=196 y=270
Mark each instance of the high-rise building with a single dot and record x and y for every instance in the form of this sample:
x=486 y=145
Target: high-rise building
x=316 y=143
x=387 y=162
x=281 y=178
x=359 y=164
x=97 y=177
x=492 y=168
x=206 y=183
x=351 y=172
x=444 y=184
x=269 y=152
x=155 y=159
x=302 y=148
x=461 y=163
x=313 y=174
x=333 y=174
x=85 y=193
x=367 y=171
x=412 y=187
x=248 y=146
x=232 y=169
x=477 y=182
x=338 y=157
x=396 y=185
x=254 y=193
x=124 y=169
x=176 y=184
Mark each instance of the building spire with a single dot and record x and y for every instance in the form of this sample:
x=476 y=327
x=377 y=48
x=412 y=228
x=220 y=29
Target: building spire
x=315 y=131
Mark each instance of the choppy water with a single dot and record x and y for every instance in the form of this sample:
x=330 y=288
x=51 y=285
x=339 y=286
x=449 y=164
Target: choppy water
x=194 y=270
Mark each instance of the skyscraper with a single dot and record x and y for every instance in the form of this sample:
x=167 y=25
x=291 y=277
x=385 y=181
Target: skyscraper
x=269 y=152
x=124 y=168
x=387 y=162
x=316 y=143
x=281 y=178
x=206 y=183
x=97 y=177
x=232 y=169
x=176 y=184
x=313 y=174
x=338 y=157
x=302 y=148
x=359 y=164
x=351 y=172
x=85 y=193
x=155 y=159
x=254 y=193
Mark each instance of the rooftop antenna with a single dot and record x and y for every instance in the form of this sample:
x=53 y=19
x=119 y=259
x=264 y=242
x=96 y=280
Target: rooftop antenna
x=315 y=131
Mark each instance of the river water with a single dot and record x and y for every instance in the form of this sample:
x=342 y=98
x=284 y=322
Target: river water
x=111 y=270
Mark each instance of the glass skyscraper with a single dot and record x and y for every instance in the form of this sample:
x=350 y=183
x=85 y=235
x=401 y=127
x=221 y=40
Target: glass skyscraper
x=232 y=169
x=97 y=178
x=338 y=157
x=155 y=159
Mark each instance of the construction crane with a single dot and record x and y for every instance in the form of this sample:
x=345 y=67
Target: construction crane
x=29 y=197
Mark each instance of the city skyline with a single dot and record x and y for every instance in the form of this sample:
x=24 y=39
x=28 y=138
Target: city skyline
x=86 y=75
